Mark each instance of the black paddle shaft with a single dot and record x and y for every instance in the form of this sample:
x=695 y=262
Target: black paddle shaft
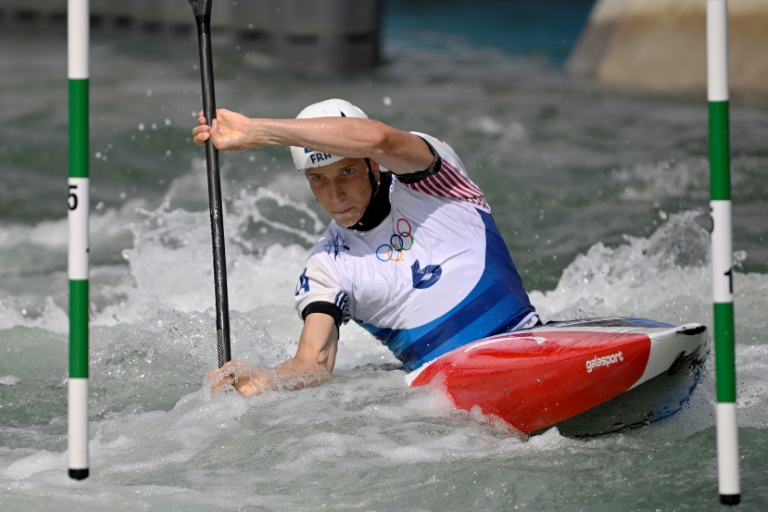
x=202 y=9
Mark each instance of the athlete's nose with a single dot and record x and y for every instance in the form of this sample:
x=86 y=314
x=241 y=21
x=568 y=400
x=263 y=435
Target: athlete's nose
x=338 y=194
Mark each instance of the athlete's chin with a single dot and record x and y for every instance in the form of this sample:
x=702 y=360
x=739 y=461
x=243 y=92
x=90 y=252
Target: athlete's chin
x=347 y=219
x=346 y=223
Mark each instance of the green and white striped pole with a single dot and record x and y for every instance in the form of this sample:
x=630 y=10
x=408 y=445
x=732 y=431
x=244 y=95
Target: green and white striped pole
x=722 y=253
x=77 y=202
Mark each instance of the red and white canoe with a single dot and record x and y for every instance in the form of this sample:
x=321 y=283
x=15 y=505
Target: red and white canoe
x=587 y=377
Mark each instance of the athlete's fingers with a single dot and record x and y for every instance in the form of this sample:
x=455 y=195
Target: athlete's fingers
x=200 y=137
x=247 y=387
x=215 y=373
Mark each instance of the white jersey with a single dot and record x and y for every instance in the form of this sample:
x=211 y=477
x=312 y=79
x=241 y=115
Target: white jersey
x=434 y=275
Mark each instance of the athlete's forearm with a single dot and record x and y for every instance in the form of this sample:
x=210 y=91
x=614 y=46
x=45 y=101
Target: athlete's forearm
x=288 y=376
x=251 y=380
x=345 y=137
x=399 y=151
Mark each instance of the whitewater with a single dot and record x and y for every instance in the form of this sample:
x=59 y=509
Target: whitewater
x=600 y=195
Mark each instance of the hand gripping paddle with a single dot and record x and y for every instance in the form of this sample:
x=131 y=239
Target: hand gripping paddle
x=202 y=9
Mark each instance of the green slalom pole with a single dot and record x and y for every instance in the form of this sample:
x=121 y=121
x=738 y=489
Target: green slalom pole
x=722 y=252
x=77 y=203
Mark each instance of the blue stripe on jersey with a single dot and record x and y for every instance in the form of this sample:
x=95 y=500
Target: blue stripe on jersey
x=497 y=304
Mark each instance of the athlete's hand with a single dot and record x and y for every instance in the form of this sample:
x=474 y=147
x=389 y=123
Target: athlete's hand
x=247 y=379
x=229 y=131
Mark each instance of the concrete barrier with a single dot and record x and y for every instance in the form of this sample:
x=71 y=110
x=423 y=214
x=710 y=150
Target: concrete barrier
x=154 y=16
x=33 y=12
x=302 y=35
x=660 y=45
x=312 y=35
x=109 y=15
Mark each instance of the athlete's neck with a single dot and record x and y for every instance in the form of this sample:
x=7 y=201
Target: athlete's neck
x=379 y=207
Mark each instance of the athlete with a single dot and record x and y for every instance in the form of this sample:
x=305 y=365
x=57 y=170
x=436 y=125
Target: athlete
x=412 y=255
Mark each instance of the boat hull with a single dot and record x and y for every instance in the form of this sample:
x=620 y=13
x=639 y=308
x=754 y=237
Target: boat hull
x=587 y=377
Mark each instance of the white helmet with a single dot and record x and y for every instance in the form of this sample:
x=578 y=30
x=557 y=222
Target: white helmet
x=304 y=158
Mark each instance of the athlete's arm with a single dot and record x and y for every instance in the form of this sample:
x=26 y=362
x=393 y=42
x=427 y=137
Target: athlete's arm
x=399 y=151
x=313 y=363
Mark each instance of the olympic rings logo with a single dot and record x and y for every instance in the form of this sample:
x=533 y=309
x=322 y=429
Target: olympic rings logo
x=398 y=242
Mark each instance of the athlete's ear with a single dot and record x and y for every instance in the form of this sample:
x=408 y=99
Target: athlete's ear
x=373 y=166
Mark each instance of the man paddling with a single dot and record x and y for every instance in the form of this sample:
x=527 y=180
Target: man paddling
x=412 y=255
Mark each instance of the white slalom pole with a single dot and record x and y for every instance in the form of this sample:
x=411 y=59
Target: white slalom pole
x=78 y=32
x=722 y=252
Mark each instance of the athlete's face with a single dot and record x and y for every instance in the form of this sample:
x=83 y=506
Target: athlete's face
x=343 y=189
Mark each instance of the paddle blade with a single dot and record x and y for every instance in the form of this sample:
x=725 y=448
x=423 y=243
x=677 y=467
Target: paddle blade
x=201 y=7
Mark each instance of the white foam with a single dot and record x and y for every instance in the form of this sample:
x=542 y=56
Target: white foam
x=657 y=180
x=37 y=462
x=665 y=277
x=9 y=380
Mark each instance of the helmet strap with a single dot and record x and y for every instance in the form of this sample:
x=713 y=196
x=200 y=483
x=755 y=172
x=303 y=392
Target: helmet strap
x=374 y=184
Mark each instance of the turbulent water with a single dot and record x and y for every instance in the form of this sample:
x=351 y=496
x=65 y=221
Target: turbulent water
x=596 y=192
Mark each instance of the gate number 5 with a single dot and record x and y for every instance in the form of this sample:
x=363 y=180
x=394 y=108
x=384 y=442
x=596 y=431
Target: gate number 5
x=72 y=199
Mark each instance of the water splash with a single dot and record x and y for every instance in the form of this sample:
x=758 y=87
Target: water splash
x=665 y=277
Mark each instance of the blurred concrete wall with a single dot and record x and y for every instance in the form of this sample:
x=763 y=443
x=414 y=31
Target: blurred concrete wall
x=300 y=35
x=661 y=45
